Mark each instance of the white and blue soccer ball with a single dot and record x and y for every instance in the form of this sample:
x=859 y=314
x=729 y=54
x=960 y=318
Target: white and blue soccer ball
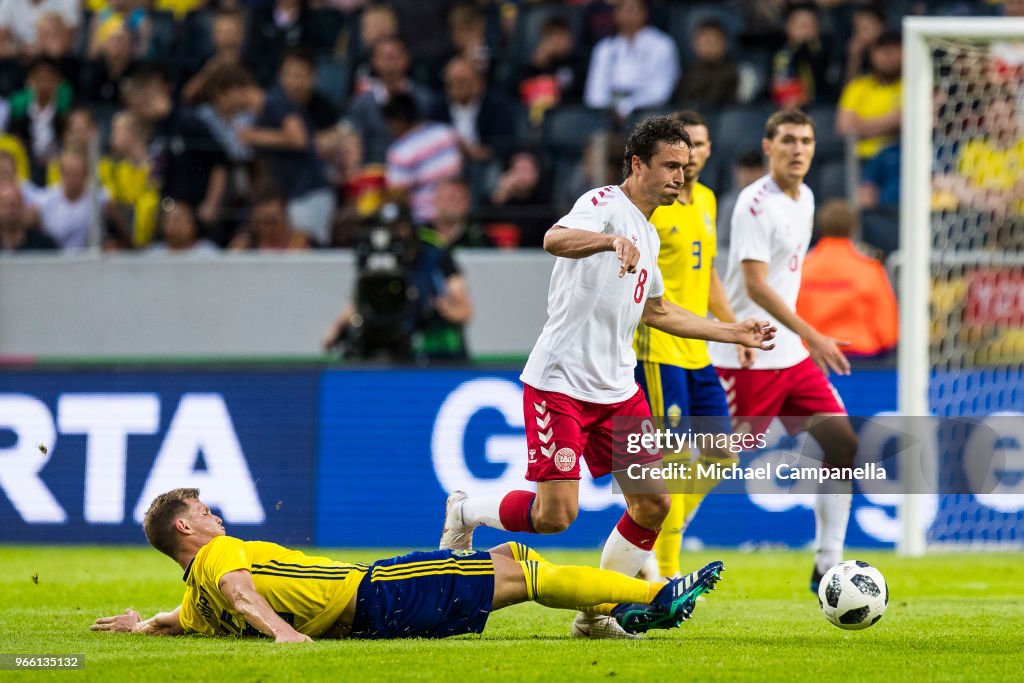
x=853 y=595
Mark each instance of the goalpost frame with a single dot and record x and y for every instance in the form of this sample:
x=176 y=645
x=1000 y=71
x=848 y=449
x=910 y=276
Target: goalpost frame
x=913 y=356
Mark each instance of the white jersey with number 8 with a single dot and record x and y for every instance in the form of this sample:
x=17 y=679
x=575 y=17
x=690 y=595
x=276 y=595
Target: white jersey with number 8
x=586 y=347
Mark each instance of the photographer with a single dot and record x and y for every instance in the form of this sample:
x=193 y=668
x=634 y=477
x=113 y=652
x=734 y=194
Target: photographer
x=410 y=301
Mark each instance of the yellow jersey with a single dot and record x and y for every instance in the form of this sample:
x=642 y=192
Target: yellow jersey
x=688 y=248
x=868 y=98
x=308 y=592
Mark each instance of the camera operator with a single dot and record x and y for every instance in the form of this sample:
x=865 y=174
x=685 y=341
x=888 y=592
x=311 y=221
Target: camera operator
x=411 y=300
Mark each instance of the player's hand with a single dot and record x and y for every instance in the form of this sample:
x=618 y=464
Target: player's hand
x=755 y=334
x=293 y=637
x=122 y=623
x=826 y=354
x=628 y=255
x=746 y=356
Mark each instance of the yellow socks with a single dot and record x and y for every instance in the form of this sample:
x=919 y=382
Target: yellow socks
x=586 y=588
x=666 y=547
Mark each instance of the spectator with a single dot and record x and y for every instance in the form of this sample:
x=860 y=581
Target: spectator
x=990 y=166
x=147 y=95
x=452 y=225
x=554 y=73
x=748 y=168
x=712 y=79
x=376 y=23
x=80 y=133
x=467 y=30
x=116 y=16
x=228 y=36
x=55 y=40
x=19 y=21
x=204 y=148
x=180 y=233
x=269 y=229
x=283 y=136
x=870 y=106
x=868 y=25
x=273 y=28
x=38 y=114
x=360 y=187
x=424 y=153
x=16 y=235
x=112 y=65
x=845 y=294
x=299 y=83
x=390 y=62
x=68 y=209
x=524 y=199
x=9 y=176
x=480 y=116
x=799 y=73
x=637 y=67
x=124 y=174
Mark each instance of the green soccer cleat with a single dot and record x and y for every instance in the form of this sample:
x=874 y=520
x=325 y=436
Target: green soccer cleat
x=673 y=604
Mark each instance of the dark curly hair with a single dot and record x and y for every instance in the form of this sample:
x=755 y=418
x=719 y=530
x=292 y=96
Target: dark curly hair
x=643 y=141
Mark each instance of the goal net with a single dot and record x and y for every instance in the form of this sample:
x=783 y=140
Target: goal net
x=962 y=266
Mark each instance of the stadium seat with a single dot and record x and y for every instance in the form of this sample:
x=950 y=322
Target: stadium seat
x=530 y=21
x=829 y=145
x=164 y=36
x=332 y=80
x=827 y=179
x=567 y=129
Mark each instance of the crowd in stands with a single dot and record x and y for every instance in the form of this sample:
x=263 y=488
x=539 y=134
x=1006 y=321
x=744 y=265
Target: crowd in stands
x=177 y=125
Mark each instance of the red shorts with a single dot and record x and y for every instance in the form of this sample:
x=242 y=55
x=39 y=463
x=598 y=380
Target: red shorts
x=791 y=394
x=560 y=429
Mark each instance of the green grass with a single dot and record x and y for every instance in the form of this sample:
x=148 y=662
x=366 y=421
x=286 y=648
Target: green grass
x=952 y=617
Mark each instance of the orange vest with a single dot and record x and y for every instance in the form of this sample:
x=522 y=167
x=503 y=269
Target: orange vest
x=846 y=295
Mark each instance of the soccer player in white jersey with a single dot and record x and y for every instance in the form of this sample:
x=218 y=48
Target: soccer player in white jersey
x=771 y=229
x=580 y=372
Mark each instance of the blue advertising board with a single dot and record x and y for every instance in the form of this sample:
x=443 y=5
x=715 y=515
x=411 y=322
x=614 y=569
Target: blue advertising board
x=392 y=444
x=83 y=453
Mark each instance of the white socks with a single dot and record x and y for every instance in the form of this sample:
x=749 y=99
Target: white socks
x=831 y=515
x=620 y=555
x=483 y=511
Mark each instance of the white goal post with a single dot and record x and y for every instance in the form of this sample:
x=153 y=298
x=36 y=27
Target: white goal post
x=920 y=36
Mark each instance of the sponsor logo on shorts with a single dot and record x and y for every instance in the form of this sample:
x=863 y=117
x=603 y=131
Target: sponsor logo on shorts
x=565 y=459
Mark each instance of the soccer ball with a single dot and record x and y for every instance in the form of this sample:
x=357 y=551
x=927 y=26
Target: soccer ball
x=853 y=595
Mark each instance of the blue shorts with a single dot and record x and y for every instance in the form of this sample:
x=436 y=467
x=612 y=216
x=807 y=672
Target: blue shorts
x=425 y=595
x=676 y=394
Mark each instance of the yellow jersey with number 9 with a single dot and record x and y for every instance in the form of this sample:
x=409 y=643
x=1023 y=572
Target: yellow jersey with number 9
x=688 y=248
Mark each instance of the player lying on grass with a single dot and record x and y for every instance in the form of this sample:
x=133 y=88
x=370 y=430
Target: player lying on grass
x=235 y=587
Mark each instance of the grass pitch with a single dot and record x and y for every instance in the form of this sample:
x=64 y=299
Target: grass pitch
x=951 y=617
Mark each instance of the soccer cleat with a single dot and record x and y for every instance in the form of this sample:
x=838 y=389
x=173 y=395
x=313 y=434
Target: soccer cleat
x=637 y=617
x=600 y=627
x=455 y=535
x=815 y=579
x=678 y=597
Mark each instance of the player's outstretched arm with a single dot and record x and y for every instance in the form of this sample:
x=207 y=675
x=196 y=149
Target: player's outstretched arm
x=160 y=624
x=576 y=243
x=662 y=314
x=824 y=350
x=240 y=591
